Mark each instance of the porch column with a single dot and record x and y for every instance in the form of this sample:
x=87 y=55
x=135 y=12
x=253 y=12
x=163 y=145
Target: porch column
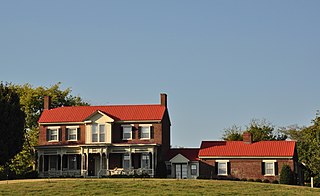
x=100 y=163
x=61 y=159
x=81 y=162
x=43 y=163
x=130 y=162
x=87 y=162
x=153 y=160
x=38 y=163
x=107 y=160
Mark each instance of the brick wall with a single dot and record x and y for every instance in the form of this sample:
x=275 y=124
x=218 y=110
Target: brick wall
x=43 y=136
x=242 y=168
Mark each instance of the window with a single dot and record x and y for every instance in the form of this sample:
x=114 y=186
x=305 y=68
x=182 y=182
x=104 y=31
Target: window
x=127 y=132
x=193 y=169
x=72 y=133
x=53 y=134
x=72 y=162
x=269 y=167
x=169 y=169
x=145 y=132
x=126 y=161
x=145 y=161
x=98 y=133
x=222 y=167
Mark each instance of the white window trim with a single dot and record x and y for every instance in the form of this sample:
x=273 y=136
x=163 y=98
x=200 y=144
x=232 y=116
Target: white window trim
x=193 y=164
x=274 y=169
x=148 y=158
x=149 y=129
x=127 y=126
x=53 y=128
x=72 y=127
x=222 y=161
x=98 y=132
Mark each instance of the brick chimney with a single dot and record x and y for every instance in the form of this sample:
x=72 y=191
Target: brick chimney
x=247 y=137
x=163 y=99
x=47 y=102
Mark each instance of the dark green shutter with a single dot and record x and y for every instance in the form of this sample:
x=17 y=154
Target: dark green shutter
x=276 y=171
x=78 y=161
x=229 y=168
x=216 y=168
x=139 y=132
x=262 y=168
x=47 y=134
x=133 y=135
x=60 y=134
x=78 y=133
x=121 y=133
x=151 y=132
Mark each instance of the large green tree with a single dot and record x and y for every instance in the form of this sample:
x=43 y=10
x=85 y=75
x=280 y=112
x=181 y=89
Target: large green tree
x=261 y=130
x=11 y=124
x=31 y=100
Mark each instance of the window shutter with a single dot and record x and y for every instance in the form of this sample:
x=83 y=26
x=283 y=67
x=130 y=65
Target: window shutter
x=78 y=133
x=216 y=168
x=60 y=134
x=133 y=135
x=47 y=134
x=151 y=132
x=121 y=133
x=66 y=134
x=276 y=171
x=229 y=168
x=139 y=132
x=78 y=161
x=262 y=168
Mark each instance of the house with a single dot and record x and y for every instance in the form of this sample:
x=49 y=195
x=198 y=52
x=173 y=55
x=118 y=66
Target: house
x=103 y=140
x=247 y=159
x=183 y=163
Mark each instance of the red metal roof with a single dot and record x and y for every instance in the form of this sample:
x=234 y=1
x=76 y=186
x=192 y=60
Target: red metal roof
x=189 y=153
x=117 y=112
x=241 y=149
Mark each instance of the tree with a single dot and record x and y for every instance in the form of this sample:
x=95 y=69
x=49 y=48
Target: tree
x=31 y=100
x=11 y=124
x=261 y=130
x=233 y=133
x=286 y=175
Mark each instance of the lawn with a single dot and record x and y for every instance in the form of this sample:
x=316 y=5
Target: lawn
x=147 y=187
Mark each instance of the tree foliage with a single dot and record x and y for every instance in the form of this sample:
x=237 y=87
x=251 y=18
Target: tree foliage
x=31 y=100
x=11 y=124
x=286 y=175
x=261 y=130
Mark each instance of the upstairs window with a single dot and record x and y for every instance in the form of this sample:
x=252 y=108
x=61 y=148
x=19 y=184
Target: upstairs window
x=53 y=134
x=72 y=133
x=145 y=131
x=98 y=133
x=127 y=132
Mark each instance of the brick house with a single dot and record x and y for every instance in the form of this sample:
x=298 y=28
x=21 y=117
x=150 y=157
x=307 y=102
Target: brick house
x=103 y=140
x=247 y=159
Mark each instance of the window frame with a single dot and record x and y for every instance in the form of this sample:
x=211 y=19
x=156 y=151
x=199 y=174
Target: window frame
x=145 y=126
x=50 y=129
x=219 y=162
x=145 y=161
x=98 y=132
x=76 y=132
x=269 y=162
x=125 y=130
x=126 y=157
x=193 y=171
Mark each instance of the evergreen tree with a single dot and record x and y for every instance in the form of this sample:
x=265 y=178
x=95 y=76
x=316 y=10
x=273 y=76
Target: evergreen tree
x=11 y=124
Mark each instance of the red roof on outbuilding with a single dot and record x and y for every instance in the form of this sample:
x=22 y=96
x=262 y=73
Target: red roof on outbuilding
x=117 y=112
x=189 y=153
x=241 y=149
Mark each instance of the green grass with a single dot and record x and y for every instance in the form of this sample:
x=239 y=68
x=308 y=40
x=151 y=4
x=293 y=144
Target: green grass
x=147 y=187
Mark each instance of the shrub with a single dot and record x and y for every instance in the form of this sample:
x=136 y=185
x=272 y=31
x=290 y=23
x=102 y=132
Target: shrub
x=236 y=179
x=243 y=179
x=258 y=180
x=275 y=182
x=250 y=180
x=286 y=176
x=266 y=181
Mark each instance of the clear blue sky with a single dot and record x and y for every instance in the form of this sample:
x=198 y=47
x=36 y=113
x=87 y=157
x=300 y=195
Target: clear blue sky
x=220 y=62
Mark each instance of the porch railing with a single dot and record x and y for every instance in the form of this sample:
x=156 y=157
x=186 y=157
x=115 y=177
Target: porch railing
x=59 y=173
x=121 y=171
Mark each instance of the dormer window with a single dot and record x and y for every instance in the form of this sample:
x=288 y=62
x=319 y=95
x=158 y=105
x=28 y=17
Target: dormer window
x=98 y=133
x=127 y=132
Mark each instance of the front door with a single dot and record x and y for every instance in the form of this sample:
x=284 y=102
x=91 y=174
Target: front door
x=181 y=171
